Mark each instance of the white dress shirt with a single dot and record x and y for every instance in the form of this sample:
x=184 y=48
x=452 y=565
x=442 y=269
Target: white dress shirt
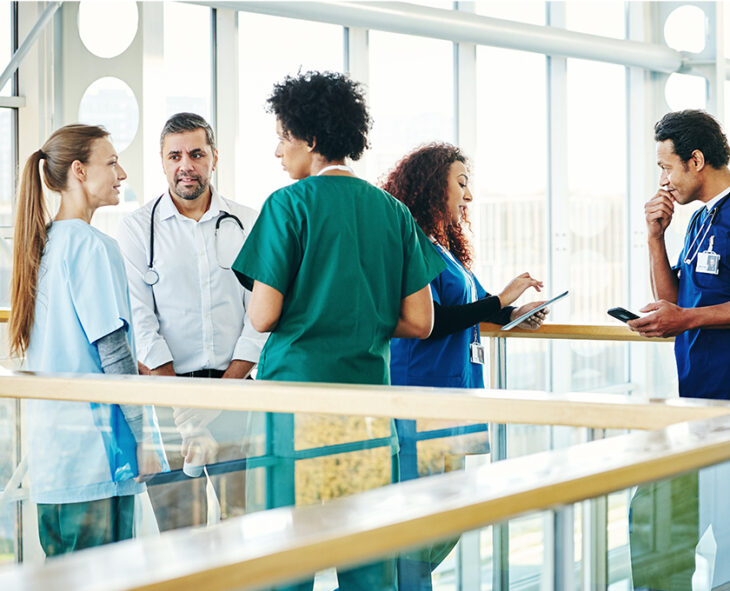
x=200 y=320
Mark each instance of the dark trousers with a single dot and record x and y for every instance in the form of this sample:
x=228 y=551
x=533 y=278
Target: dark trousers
x=376 y=576
x=67 y=527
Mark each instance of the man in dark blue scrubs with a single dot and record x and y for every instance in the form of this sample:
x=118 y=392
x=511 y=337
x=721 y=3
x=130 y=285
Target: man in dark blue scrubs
x=693 y=305
x=694 y=294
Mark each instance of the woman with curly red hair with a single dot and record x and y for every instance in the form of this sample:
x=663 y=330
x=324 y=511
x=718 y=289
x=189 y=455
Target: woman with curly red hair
x=433 y=182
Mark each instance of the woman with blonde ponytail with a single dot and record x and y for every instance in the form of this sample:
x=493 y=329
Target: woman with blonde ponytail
x=70 y=313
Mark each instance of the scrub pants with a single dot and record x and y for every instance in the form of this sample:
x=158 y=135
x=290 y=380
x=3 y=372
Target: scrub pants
x=663 y=533
x=66 y=527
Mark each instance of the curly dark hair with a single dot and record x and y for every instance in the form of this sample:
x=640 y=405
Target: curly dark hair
x=420 y=181
x=692 y=130
x=327 y=108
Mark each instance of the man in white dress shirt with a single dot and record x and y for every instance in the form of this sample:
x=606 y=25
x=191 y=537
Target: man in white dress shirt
x=189 y=310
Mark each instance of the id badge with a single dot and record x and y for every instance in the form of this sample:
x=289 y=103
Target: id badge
x=477 y=352
x=708 y=262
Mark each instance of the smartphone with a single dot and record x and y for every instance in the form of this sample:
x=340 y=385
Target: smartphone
x=622 y=314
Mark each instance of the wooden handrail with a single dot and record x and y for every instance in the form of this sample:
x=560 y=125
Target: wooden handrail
x=608 y=411
x=593 y=332
x=589 y=332
x=271 y=547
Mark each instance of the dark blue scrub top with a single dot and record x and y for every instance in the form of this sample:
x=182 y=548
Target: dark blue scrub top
x=440 y=362
x=703 y=355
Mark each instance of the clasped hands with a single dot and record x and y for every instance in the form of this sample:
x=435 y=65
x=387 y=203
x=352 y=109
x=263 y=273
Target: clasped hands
x=198 y=444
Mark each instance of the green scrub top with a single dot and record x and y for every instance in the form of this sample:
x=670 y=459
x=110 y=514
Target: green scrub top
x=344 y=254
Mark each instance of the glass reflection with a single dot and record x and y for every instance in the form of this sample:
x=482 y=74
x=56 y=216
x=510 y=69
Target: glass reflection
x=87 y=461
x=667 y=535
x=679 y=532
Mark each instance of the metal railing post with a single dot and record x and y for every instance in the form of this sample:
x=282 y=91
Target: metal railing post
x=280 y=490
x=498 y=446
x=595 y=535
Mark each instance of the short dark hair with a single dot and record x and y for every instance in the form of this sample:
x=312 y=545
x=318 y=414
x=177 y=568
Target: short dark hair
x=327 y=107
x=692 y=130
x=181 y=122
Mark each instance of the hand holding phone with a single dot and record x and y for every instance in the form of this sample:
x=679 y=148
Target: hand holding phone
x=622 y=314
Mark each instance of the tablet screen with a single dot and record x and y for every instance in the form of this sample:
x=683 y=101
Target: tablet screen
x=525 y=316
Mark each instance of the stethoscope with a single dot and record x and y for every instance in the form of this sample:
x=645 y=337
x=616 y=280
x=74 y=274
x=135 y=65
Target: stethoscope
x=151 y=276
x=709 y=221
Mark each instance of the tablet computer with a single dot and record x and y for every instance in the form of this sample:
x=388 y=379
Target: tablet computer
x=525 y=316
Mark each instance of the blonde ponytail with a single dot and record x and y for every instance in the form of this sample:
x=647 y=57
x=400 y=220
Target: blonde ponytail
x=32 y=220
x=29 y=240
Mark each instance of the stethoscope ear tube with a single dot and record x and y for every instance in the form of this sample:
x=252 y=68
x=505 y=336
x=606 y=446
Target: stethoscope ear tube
x=225 y=215
x=151 y=276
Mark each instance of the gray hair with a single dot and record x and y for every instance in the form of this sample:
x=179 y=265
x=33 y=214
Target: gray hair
x=182 y=122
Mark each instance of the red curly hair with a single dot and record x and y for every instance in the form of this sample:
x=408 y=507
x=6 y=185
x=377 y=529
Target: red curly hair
x=420 y=181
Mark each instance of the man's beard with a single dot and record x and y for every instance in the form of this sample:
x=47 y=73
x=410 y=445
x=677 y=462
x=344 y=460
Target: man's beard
x=190 y=194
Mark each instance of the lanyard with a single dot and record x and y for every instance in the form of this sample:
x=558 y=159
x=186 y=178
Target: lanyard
x=336 y=167
x=711 y=217
x=467 y=276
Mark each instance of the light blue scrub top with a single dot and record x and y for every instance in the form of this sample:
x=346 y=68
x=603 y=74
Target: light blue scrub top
x=443 y=362
x=703 y=366
x=81 y=296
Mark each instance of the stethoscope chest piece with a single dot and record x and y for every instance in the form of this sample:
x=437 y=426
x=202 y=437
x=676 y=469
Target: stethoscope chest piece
x=151 y=277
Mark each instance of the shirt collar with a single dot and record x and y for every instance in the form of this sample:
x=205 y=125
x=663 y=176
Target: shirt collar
x=712 y=202
x=167 y=207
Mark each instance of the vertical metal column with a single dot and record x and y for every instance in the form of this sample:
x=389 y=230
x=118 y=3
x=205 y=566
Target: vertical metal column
x=280 y=491
x=498 y=445
x=225 y=101
x=595 y=535
x=559 y=546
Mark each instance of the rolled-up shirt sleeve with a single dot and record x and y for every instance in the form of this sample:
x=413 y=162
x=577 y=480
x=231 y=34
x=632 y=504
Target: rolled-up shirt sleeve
x=152 y=349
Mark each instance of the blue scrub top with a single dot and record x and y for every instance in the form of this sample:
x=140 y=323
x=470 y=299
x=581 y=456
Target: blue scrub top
x=440 y=362
x=702 y=354
x=81 y=296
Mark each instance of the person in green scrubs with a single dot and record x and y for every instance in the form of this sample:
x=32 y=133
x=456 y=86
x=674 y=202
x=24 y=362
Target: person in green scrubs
x=337 y=266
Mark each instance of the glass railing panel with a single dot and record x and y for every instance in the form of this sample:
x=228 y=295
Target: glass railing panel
x=670 y=535
x=253 y=460
x=565 y=365
x=617 y=535
x=322 y=479
x=8 y=463
x=317 y=430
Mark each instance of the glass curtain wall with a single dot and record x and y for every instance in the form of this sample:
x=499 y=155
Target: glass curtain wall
x=411 y=100
x=8 y=443
x=271 y=48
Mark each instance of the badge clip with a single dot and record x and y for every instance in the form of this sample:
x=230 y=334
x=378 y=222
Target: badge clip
x=477 y=353
x=708 y=261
